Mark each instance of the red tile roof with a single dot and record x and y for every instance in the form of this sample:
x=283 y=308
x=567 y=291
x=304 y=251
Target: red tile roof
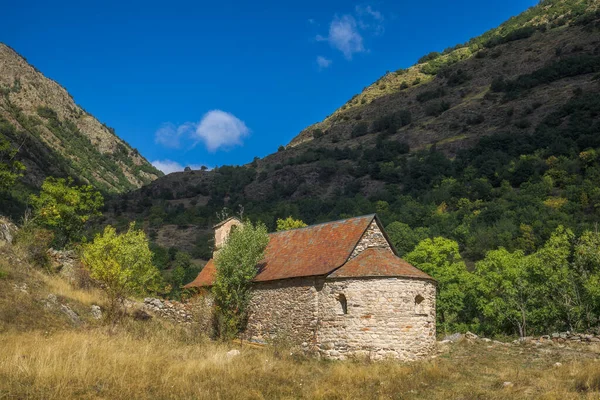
x=316 y=250
x=375 y=262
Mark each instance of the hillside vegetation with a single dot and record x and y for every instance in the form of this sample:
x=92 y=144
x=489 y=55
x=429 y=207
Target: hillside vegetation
x=56 y=137
x=481 y=149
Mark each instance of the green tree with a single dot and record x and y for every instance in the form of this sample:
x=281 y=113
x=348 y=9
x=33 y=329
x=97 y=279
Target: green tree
x=65 y=208
x=123 y=264
x=586 y=261
x=439 y=257
x=236 y=265
x=10 y=169
x=404 y=237
x=504 y=291
x=289 y=223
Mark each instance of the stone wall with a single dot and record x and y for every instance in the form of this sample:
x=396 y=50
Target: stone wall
x=382 y=318
x=222 y=232
x=284 y=310
x=373 y=237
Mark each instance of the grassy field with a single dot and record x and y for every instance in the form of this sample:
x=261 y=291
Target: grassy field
x=150 y=361
x=43 y=355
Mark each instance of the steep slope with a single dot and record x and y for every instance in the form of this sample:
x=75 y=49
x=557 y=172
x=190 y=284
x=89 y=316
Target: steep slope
x=486 y=148
x=401 y=90
x=57 y=137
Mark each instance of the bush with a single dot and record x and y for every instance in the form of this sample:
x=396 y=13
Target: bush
x=360 y=129
x=431 y=94
x=403 y=85
x=123 y=264
x=390 y=123
x=429 y=57
x=475 y=120
x=437 y=108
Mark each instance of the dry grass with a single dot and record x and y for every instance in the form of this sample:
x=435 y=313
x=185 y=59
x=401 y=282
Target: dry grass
x=155 y=360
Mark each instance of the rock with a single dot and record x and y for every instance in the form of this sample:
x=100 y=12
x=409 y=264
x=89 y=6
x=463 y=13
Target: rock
x=21 y=288
x=545 y=337
x=557 y=364
x=454 y=337
x=507 y=384
x=96 y=312
x=487 y=340
x=594 y=339
x=71 y=314
x=232 y=353
x=51 y=301
x=8 y=231
x=141 y=315
x=470 y=335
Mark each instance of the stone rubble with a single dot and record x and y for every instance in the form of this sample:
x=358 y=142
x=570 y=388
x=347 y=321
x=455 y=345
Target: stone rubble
x=554 y=338
x=171 y=310
x=8 y=231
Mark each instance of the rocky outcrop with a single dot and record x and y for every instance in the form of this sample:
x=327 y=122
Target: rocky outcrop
x=8 y=230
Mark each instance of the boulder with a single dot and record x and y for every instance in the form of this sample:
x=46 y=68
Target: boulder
x=8 y=230
x=454 y=337
x=470 y=335
x=96 y=312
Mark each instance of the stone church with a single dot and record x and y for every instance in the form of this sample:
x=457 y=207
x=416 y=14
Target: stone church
x=338 y=288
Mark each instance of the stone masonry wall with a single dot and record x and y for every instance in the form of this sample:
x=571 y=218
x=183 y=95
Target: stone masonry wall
x=284 y=310
x=383 y=318
x=373 y=237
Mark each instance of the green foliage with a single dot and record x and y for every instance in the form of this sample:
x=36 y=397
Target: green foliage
x=431 y=94
x=403 y=237
x=360 y=129
x=10 y=169
x=65 y=208
x=436 y=108
x=564 y=68
x=236 y=265
x=289 y=223
x=390 y=123
x=439 y=257
x=122 y=263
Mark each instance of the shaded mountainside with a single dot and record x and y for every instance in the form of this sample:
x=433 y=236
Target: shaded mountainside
x=493 y=143
x=56 y=137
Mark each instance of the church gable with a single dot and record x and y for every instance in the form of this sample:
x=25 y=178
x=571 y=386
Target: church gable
x=373 y=237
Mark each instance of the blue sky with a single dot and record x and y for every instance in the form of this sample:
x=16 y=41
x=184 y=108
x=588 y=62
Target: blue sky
x=199 y=83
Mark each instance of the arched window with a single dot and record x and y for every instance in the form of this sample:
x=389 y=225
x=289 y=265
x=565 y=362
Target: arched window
x=343 y=309
x=420 y=305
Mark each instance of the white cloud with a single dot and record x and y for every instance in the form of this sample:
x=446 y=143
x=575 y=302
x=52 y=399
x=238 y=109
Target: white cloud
x=169 y=135
x=368 y=10
x=168 y=166
x=344 y=36
x=220 y=129
x=323 y=62
x=217 y=129
x=370 y=19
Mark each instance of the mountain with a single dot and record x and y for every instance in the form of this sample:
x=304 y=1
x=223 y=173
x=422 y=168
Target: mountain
x=57 y=137
x=490 y=143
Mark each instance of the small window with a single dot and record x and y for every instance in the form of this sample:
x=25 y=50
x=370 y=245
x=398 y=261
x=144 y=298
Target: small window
x=343 y=304
x=420 y=305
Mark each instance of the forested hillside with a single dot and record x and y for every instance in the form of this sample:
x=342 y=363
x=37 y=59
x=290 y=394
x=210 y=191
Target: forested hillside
x=495 y=149
x=44 y=129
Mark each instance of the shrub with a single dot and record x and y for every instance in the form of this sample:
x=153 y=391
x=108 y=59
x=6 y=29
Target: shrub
x=475 y=120
x=360 y=129
x=429 y=57
x=123 y=264
x=431 y=94
x=437 y=108
x=403 y=85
